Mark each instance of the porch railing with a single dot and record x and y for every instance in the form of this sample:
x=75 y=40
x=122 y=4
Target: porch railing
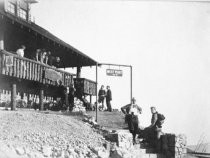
x=23 y=68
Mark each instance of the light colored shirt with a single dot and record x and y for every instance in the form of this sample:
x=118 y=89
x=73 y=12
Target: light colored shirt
x=20 y=52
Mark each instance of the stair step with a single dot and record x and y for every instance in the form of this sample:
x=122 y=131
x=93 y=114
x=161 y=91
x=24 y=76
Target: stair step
x=153 y=156
x=149 y=150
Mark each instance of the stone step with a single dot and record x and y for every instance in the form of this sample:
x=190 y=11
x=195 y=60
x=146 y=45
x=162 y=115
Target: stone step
x=148 y=150
x=152 y=156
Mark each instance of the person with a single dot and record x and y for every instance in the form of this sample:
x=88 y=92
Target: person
x=87 y=104
x=71 y=97
x=20 y=51
x=49 y=58
x=154 y=131
x=57 y=62
x=43 y=56
x=38 y=54
x=101 y=96
x=132 y=116
x=108 y=99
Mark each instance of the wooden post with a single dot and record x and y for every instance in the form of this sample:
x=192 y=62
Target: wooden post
x=90 y=99
x=13 y=97
x=78 y=72
x=1 y=38
x=41 y=98
x=96 y=92
x=66 y=99
x=131 y=71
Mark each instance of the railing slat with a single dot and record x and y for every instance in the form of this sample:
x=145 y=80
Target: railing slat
x=0 y=63
x=14 y=67
x=30 y=71
x=35 y=72
x=24 y=69
x=18 y=69
x=3 y=64
x=27 y=70
x=38 y=68
x=21 y=68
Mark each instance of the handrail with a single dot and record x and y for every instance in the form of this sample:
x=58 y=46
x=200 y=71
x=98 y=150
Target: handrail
x=42 y=64
x=28 y=69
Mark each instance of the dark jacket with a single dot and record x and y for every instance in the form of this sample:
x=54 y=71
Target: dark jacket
x=101 y=92
x=155 y=121
x=109 y=95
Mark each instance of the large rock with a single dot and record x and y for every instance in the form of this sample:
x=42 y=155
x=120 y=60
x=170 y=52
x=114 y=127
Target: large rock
x=47 y=151
x=173 y=146
x=123 y=139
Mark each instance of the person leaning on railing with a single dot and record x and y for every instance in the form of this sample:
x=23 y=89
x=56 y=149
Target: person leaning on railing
x=20 y=52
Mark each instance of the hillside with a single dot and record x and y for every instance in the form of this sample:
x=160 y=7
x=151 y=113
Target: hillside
x=28 y=133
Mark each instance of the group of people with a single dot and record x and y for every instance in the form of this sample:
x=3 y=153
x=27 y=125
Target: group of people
x=41 y=55
x=150 y=134
x=105 y=94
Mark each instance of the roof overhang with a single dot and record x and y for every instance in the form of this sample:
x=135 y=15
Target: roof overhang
x=74 y=58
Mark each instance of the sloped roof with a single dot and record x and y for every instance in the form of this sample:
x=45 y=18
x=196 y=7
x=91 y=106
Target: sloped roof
x=83 y=59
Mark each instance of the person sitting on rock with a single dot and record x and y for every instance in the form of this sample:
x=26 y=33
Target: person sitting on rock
x=154 y=131
x=132 y=112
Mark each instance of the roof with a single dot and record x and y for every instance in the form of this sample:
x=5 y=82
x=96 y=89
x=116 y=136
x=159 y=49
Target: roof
x=77 y=55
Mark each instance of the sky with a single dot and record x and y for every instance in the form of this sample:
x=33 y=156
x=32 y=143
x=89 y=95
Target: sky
x=167 y=43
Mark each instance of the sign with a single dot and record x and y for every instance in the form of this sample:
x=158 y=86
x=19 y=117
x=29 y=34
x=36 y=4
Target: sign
x=53 y=75
x=114 y=72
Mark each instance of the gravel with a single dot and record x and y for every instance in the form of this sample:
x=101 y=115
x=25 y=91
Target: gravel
x=29 y=133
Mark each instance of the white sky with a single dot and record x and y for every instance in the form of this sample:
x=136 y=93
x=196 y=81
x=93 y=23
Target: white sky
x=167 y=43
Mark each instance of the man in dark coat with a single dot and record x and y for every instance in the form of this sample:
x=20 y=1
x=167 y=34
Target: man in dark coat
x=101 y=96
x=108 y=99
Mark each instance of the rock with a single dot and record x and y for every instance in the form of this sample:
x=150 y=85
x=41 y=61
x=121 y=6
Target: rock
x=47 y=151
x=20 y=150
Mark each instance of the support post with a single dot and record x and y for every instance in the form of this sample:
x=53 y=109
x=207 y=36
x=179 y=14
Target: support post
x=1 y=38
x=96 y=92
x=131 y=83
x=41 y=98
x=66 y=98
x=90 y=99
x=13 y=97
x=78 y=72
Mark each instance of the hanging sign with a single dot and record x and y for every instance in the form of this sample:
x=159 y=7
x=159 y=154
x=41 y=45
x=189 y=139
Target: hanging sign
x=114 y=72
x=53 y=75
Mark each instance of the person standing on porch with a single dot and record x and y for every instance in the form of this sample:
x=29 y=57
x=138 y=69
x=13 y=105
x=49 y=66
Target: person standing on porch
x=108 y=99
x=20 y=51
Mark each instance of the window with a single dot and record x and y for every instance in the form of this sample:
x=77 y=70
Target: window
x=11 y=7
x=23 y=13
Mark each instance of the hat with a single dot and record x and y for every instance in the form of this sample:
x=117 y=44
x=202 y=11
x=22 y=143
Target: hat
x=153 y=107
x=133 y=99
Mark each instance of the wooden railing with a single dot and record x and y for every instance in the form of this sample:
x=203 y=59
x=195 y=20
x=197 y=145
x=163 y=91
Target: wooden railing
x=85 y=86
x=23 y=68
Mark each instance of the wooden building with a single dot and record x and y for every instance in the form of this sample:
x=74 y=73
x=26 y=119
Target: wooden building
x=26 y=75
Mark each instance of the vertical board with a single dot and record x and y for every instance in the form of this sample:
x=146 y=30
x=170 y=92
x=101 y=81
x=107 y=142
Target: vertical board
x=14 y=67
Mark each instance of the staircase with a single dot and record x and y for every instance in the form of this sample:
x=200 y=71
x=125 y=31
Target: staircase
x=147 y=152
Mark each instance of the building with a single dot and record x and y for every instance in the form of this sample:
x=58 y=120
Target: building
x=25 y=74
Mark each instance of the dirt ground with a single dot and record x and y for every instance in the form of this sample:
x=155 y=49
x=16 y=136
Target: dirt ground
x=110 y=120
x=30 y=133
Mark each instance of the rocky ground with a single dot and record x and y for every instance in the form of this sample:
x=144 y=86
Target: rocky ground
x=29 y=133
